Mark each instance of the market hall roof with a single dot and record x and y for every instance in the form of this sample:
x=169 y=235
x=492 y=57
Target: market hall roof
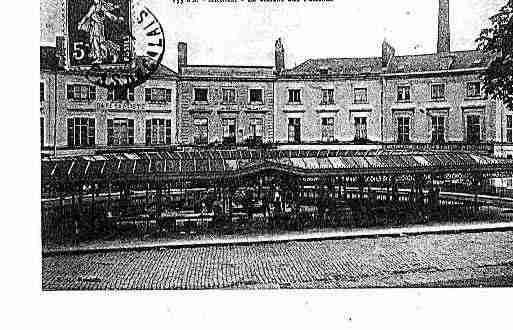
x=224 y=164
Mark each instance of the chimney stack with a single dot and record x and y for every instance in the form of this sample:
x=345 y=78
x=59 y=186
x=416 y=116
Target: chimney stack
x=387 y=52
x=60 y=51
x=182 y=55
x=279 y=56
x=444 y=30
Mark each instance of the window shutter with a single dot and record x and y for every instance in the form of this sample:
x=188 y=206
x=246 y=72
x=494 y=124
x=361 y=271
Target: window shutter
x=147 y=95
x=148 y=132
x=130 y=131
x=110 y=132
x=92 y=92
x=168 y=95
x=168 y=131
x=91 y=133
x=70 y=93
x=70 y=132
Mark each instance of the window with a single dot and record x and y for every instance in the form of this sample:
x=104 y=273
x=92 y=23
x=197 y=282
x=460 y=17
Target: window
x=256 y=129
x=81 y=132
x=360 y=96
x=509 y=128
x=327 y=129
x=438 y=129
x=120 y=94
x=200 y=131
x=473 y=129
x=120 y=132
x=158 y=131
x=229 y=131
x=255 y=96
x=403 y=129
x=474 y=89
x=41 y=132
x=360 y=128
x=294 y=96
x=228 y=95
x=438 y=92
x=158 y=95
x=200 y=95
x=41 y=91
x=294 y=130
x=327 y=96
x=403 y=93
x=80 y=92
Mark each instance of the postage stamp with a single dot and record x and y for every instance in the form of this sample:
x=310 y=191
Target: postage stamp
x=115 y=43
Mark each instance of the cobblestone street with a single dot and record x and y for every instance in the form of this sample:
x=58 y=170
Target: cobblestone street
x=469 y=259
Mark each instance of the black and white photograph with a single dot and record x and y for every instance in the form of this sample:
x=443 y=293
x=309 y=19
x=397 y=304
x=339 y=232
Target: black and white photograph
x=275 y=147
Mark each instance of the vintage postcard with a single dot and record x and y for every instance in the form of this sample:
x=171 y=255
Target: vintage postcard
x=276 y=144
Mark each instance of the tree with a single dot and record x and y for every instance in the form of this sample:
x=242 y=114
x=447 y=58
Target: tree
x=497 y=41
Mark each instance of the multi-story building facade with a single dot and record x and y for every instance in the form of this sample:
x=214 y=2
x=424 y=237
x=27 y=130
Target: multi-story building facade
x=79 y=116
x=437 y=99
x=434 y=98
x=329 y=101
x=224 y=104
x=394 y=100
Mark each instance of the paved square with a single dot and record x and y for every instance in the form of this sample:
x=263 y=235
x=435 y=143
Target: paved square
x=469 y=259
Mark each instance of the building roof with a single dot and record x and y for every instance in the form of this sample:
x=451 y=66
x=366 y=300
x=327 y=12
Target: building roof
x=223 y=164
x=48 y=61
x=459 y=60
x=470 y=59
x=337 y=66
x=228 y=71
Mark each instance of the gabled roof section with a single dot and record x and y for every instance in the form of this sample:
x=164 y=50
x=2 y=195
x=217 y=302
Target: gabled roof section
x=228 y=72
x=460 y=60
x=165 y=72
x=337 y=66
x=47 y=58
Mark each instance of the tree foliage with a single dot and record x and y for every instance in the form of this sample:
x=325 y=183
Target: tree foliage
x=497 y=40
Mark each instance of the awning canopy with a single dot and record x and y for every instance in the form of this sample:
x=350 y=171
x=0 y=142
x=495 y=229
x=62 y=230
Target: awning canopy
x=221 y=164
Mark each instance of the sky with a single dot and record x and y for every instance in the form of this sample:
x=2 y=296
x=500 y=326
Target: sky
x=244 y=33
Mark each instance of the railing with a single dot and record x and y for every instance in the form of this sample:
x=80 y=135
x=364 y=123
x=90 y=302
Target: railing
x=487 y=148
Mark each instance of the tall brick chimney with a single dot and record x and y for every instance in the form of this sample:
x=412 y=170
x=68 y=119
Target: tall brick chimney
x=444 y=29
x=279 y=56
x=182 y=55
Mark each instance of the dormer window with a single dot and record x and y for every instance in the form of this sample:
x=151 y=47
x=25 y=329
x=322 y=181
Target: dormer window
x=323 y=71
